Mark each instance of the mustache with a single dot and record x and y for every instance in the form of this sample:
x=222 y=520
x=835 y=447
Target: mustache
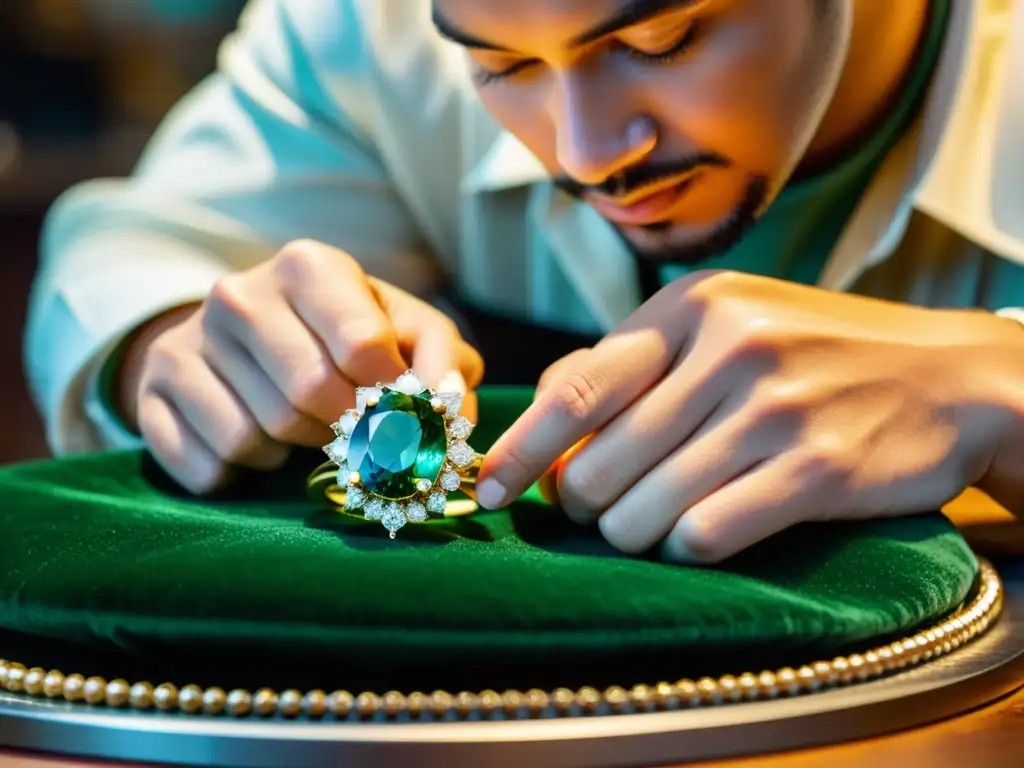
x=632 y=179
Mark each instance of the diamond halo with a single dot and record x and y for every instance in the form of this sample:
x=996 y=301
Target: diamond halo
x=396 y=432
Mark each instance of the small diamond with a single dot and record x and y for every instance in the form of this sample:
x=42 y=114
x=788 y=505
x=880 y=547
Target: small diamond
x=373 y=509
x=338 y=450
x=461 y=428
x=423 y=485
x=408 y=384
x=355 y=497
x=451 y=481
x=367 y=393
x=346 y=424
x=452 y=402
x=393 y=517
x=461 y=455
x=416 y=512
x=436 y=503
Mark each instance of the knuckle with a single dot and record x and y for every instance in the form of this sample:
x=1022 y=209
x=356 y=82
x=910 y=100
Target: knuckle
x=547 y=378
x=305 y=390
x=825 y=463
x=283 y=424
x=302 y=252
x=557 y=368
x=756 y=346
x=781 y=405
x=166 y=362
x=692 y=301
x=728 y=281
x=578 y=395
x=703 y=289
x=757 y=336
x=304 y=262
x=359 y=346
x=228 y=296
x=362 y=341
x=705 y=283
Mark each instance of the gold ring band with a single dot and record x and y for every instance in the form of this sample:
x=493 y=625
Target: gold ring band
x=323 y=486
x=397 y=456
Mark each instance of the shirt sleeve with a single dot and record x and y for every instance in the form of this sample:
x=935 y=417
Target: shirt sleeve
x=1012 y=313
x=281 y=142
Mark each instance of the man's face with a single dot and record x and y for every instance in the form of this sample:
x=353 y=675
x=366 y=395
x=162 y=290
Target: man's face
x=678 y=120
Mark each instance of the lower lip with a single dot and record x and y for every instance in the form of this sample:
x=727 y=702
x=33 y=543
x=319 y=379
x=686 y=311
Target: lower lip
x=649 y=210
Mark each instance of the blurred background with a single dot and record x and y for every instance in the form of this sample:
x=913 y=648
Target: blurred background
x=83 y=83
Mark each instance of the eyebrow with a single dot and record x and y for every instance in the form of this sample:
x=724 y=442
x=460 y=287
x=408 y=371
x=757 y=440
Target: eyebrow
x=632 y=13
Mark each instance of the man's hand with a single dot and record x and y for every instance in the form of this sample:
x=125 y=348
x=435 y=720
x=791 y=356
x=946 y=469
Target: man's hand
x=274 y=355
x=729 y=407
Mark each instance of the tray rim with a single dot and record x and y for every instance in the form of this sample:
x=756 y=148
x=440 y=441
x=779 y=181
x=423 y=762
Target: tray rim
x=970 y=676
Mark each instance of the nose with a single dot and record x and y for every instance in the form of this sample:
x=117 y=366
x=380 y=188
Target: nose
x=594 y=140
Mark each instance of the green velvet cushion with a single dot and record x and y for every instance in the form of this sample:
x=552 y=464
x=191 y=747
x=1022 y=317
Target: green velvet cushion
x=108 y=569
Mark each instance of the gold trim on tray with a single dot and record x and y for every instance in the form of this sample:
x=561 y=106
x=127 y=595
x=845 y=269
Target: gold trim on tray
x=958 y=629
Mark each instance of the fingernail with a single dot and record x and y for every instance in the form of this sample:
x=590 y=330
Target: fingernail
x=491 y=494
x=674 y=550
x=452 y=382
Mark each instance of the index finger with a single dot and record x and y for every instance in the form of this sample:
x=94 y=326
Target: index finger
x=330 y=292
x=589 y=394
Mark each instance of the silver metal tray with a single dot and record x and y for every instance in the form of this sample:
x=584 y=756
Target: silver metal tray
x=977 y=673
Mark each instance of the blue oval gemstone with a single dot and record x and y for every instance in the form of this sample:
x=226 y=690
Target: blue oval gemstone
x=395 y=443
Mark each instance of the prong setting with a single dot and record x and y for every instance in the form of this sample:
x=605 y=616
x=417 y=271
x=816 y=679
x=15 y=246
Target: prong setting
x=424 y=497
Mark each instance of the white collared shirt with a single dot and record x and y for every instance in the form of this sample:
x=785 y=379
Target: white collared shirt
x=351 y=122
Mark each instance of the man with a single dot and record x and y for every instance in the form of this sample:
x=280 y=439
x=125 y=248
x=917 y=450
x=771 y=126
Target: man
x=796 y=224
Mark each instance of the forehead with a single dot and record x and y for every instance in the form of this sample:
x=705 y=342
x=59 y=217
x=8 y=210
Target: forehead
x=513 y=23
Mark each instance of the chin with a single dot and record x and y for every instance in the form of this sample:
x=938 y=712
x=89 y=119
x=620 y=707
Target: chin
x=676 y=243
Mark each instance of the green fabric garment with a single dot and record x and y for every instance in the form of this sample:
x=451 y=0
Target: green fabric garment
x=109 y=569
x=796 y=235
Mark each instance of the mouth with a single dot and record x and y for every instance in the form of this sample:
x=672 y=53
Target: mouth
x=648 y=206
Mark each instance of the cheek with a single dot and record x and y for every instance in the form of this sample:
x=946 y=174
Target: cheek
x=748 y=92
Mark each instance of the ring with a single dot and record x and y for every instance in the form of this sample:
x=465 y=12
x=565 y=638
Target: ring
x=398 y=455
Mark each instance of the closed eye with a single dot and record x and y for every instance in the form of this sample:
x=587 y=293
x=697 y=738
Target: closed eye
x=666 y=55
x=485 y=76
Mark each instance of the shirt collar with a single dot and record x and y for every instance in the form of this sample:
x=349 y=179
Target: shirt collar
x=949 y=166
x=591 y=254
x=505 y=165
